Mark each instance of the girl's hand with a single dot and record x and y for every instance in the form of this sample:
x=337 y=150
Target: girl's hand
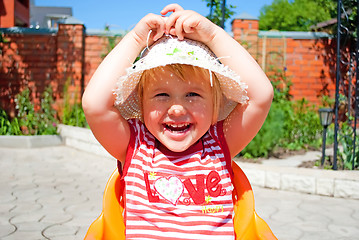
x=153 y=22
x=188 y=24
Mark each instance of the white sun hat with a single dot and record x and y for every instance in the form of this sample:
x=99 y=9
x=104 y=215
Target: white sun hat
x=170 y=50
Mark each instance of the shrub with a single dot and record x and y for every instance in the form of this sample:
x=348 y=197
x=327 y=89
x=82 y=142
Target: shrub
x=28 y=121
x=71 y=112
x=44 y=119
x=303 y=127
x=290 y=125
x=347 y=158
x=268 y=136
x=31 y=122
x=47 y=114
x=7 y=126
x=73 y=115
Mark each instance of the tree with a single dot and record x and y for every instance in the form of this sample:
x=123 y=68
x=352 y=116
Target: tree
x=349 y=16
x=216 y=11
x=294 y=15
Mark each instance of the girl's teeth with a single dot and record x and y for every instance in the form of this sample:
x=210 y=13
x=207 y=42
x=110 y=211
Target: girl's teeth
x=177 y=127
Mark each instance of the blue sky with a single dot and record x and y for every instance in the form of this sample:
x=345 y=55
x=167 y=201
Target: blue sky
x=124 y=14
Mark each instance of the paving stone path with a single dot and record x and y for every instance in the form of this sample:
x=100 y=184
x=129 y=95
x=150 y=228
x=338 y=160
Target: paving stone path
x=56 y=192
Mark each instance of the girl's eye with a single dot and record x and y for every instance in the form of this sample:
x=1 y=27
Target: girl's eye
x=193 y=94
x=162 y=95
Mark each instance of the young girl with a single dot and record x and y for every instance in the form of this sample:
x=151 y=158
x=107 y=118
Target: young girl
x=176 y=120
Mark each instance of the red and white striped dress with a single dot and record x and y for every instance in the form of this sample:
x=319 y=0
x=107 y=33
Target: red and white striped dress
x=185 y=195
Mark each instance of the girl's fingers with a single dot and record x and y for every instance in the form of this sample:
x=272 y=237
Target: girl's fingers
x=170 y=23
x=190 y=25
x=161 y=28
x=182 y=23
x=159 y=33
x=179 y=28
x=151 y=22
x=174 y=7
x=175 y=24
x=187 y=23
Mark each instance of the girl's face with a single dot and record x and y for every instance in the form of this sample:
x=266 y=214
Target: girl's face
x=177 y=112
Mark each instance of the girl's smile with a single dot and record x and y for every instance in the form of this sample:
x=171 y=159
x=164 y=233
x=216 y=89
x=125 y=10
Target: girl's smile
x=178 y=128
x=177 y=112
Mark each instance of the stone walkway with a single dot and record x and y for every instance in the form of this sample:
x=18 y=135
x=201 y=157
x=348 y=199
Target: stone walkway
x=56 y=192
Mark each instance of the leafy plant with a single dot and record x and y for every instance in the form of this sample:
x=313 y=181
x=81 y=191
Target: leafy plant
x=346 y=155
x=31 y=122
x=7 y=126
x=43 y=119
x=290 y=125
x=47 y=114
x=327 y=101
x=268 y=136
x=26 y=113
x=72 y=112
x=74 y=115
x=216 y=11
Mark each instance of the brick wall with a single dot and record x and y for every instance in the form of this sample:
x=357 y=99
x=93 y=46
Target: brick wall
x=39 y=58
x=70 y=60
x=308 y=71
x=26 y=60
x=303 y=56
x=96 y=48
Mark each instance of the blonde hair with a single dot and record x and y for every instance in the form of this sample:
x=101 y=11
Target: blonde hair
x=179 y=70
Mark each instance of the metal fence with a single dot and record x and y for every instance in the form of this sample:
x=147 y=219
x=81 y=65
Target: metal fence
x=347 y=88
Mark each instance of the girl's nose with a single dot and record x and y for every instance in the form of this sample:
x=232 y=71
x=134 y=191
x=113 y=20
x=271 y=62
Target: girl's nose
x=176 y=110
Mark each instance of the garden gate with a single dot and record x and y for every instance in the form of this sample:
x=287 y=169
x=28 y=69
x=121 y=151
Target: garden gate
x=347 y=58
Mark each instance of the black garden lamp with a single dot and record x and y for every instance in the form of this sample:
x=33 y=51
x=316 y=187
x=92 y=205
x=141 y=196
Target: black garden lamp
x=326 y=118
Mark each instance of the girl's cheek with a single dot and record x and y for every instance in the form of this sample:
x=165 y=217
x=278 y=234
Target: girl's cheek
x=155 y=113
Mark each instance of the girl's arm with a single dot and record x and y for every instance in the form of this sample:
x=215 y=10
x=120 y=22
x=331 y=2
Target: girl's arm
x=105 y=121
x=244 y=122
x=241 y=126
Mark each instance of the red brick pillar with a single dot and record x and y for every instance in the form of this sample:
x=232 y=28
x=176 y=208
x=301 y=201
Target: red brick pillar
x=70 y=57
x=246 y=32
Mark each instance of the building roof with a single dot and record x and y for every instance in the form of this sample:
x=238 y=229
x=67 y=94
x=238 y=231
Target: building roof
x=293 y=35
x=32 y=31
x=246 y=16
x=72 y=20
x=102 y=32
